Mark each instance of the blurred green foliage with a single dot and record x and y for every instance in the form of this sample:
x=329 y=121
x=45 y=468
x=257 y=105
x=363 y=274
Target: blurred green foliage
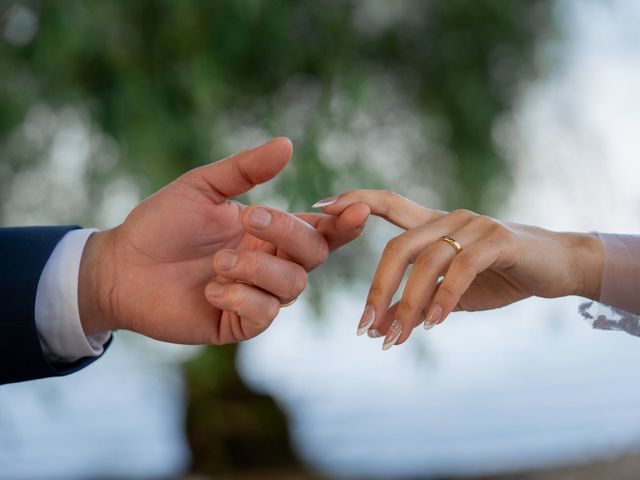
x=400 y=94
x=163 y=77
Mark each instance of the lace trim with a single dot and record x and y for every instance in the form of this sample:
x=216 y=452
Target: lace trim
x=610 y=318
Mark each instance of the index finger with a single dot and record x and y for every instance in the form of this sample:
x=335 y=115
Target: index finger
x=291 y=235
x=339 y=229
x=386 y=204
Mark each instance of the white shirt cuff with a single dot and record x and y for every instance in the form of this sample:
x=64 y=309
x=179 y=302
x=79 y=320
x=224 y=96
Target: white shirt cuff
x=56 y=311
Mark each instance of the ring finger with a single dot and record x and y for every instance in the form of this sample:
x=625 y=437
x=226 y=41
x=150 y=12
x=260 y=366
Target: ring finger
x=431 y=263
x=399 y=253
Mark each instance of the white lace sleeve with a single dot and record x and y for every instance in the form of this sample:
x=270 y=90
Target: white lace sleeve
x=619 y=307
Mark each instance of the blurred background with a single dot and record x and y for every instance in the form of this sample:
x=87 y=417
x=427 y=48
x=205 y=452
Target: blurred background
x=527 y=111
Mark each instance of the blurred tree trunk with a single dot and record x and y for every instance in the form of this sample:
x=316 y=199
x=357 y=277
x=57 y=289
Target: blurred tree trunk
x=175 y=84
x=229 y=427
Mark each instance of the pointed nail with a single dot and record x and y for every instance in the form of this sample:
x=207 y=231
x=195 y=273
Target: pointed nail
x=367 y=319
x=427 y=325
x=435 y=315
x=393 y=335
x=374 y=333
x=325 y=202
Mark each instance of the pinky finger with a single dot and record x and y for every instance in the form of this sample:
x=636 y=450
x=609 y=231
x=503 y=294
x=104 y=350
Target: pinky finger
x=461 y=274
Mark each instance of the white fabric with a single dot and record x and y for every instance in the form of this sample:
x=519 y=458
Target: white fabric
x=621 y=275
x=56 y=311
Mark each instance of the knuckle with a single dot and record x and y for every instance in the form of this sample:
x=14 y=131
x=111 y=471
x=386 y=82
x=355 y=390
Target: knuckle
x=447 y=291
x=405 y=305
x=500 y=230
x=484 y=221
x=507 y=235
x=376 y=290
x=495 y=228
x=395 y=246
x=462 y=213
x=389 y=195
x=426 y=260
x=349 y=194
x=389 y=198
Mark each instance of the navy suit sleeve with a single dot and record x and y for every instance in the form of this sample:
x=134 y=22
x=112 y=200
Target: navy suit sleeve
x=24 y=252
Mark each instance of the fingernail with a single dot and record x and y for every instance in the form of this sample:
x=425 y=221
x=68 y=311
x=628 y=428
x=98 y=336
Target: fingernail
x=367 y=319
x=393 y=335
x=226 y=259
x=374 y=333
x=214 y=290
x=427 y=325
x=435 y=315
x=325 y=202
x=260 y=218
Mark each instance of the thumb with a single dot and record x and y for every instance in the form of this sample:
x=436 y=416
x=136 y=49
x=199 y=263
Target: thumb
x=241 y=172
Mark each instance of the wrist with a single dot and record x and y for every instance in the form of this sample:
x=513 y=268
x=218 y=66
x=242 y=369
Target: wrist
x=588 y=258
x=95 y=285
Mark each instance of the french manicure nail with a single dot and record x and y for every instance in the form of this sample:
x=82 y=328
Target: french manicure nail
x=374 y=333
x=393 y=335
x=427 y=325
x=226 y=259
x=367 y=319
x=325 y=202
x=435 y=315
x=260 y=218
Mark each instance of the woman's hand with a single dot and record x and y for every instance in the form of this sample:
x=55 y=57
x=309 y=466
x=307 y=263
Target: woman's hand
x=499 y=263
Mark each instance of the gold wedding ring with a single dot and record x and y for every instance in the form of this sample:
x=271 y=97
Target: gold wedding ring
x=453 y=242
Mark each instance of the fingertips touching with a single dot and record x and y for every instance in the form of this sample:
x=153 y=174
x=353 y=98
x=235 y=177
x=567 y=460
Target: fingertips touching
x=394 y=208
x=289 y=233
x=348 y=225
x=325 y=202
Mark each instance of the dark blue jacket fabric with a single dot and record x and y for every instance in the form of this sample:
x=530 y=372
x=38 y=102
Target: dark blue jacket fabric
x=24 y=252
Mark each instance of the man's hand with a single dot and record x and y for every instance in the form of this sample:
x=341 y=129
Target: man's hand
x=189 y=265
